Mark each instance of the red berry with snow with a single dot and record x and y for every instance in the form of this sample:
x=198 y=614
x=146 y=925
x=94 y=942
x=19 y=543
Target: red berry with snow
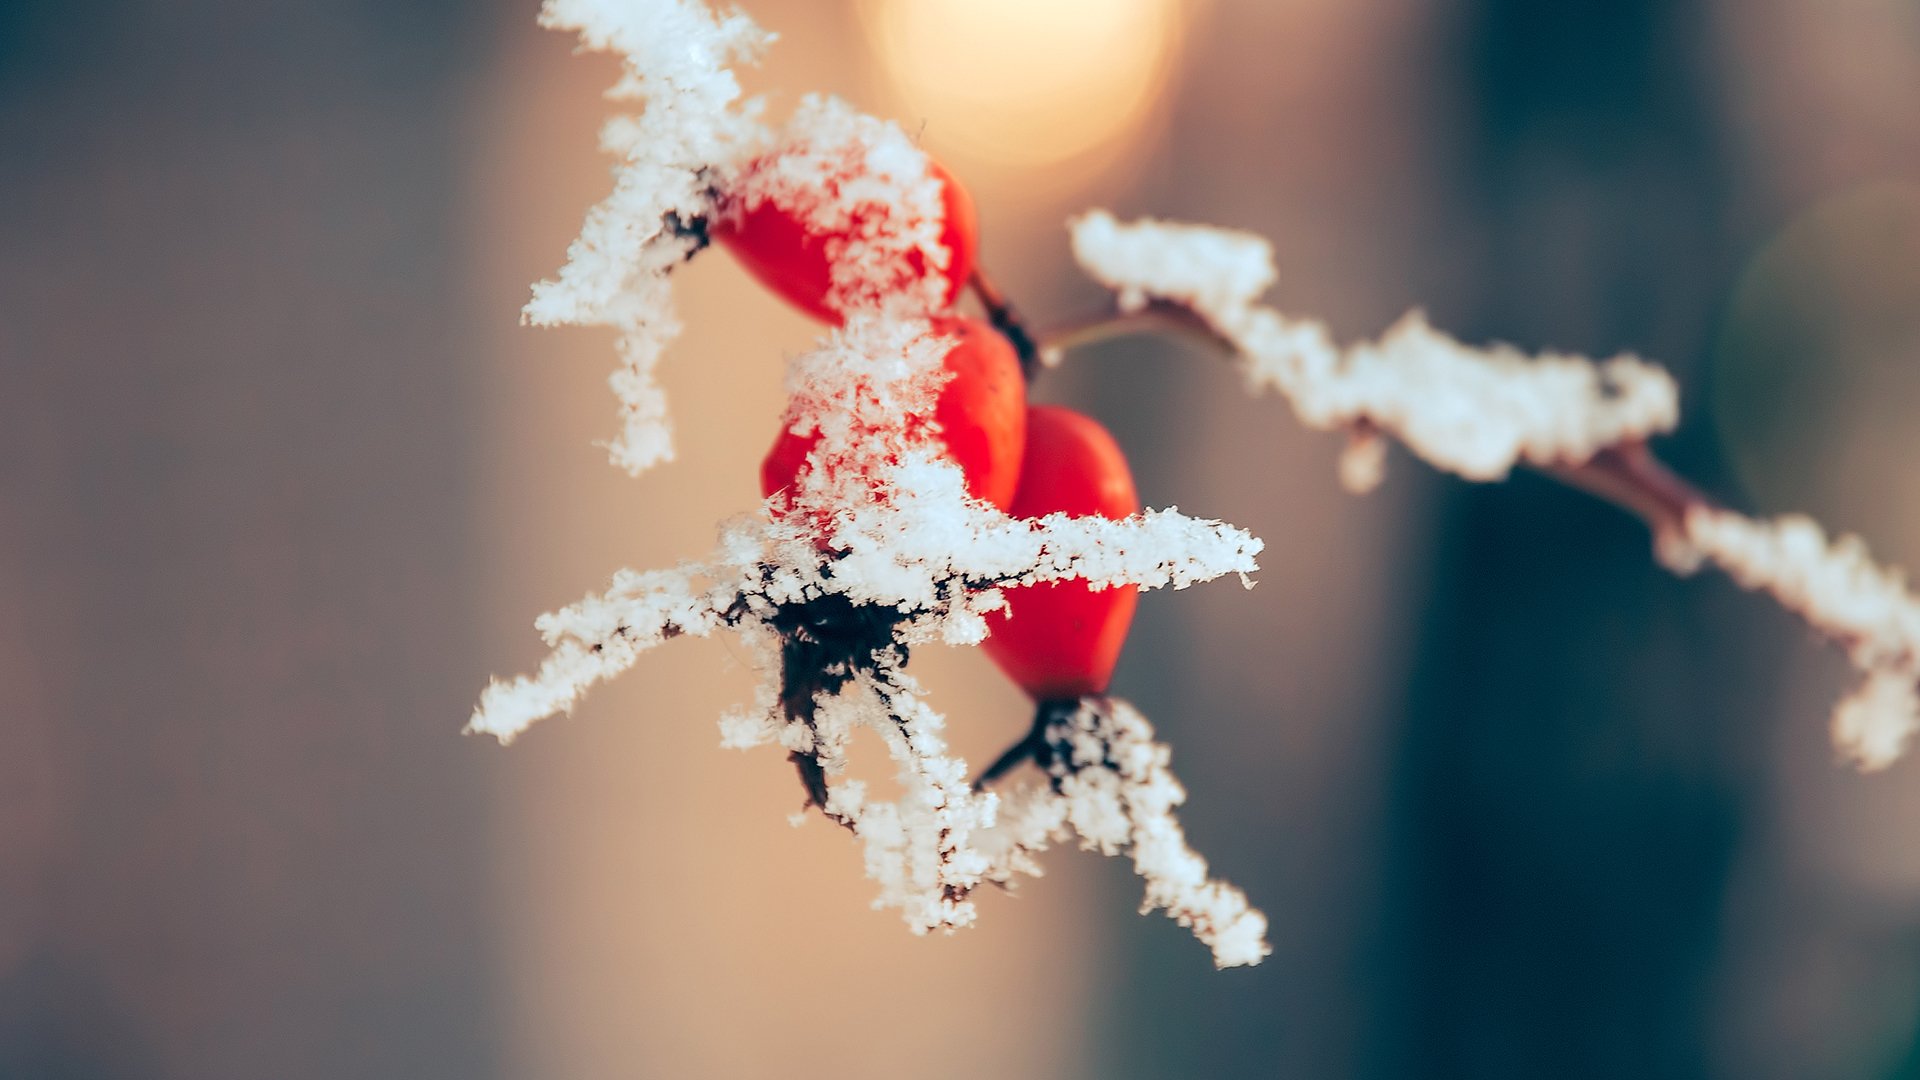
x=1061 y=639
x=981 y=413
x=832 y=239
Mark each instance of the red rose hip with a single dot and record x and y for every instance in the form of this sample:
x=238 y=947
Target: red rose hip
x=981 y=411
x=1061 y=639
x=785 y=253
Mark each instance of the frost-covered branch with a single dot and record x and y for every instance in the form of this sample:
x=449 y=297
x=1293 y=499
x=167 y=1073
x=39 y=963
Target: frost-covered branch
x=675 y=57
x=1111 y=785
x=877 y=548
x=1837 y=588
x=1479 y=412
x=1474 y=412
x=831 y=645
x=1005 y=319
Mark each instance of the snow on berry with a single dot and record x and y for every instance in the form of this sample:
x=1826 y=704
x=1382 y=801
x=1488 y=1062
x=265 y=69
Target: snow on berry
x=846 y=213
x=981 y=412
x=697 y=151
x=910 y=559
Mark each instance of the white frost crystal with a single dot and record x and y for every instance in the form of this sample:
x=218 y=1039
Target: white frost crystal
x=864 y=184
x=1838 y=588
x=1479 y=412
x=876 y=546
x=1112 y=786
x=675 y=56
x=1475 y=412
x=912 y=555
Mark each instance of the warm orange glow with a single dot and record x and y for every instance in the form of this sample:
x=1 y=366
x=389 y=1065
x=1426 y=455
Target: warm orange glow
x=1023 y=85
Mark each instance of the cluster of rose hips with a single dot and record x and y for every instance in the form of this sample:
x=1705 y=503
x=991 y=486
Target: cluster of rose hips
x=1057 y=640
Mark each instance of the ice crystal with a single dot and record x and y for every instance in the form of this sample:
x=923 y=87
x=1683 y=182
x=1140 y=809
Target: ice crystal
x=863 y=184
x=1838 y=588
x=1480 y=412
x=878 y=548
x=1111 y=784
x=675 y=56
x=1473 y=411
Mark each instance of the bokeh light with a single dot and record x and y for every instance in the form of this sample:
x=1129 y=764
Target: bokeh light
x=1818 y=364
x=1056 y=89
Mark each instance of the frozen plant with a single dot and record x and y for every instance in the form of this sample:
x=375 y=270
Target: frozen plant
x=616 y=273
x=914 y=497
x=1479 y=412
x=880 y=539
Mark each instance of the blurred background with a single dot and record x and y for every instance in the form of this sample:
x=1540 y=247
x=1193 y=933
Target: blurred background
x=282 y=482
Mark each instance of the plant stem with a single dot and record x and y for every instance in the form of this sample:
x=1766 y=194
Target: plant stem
x=1627 y=474
x=1004 y=319
x=1037 y=744
x=1630 y=477
x=1158 y=316
x=1014 y=756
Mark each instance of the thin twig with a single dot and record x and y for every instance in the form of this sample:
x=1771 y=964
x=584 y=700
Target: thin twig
x=1004 y=319
x=822 y=643
x=1630 y=477
x=1627 y=475
x=1156 y=316
x=1013 y=757
x=1037 y=745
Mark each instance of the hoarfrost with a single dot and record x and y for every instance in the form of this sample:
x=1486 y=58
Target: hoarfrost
x=1111 y=784
x=876 y=548
x=1838 y=588
x=674 y=57
x=1480 y=412
x=1475 y=412
x=861 y=182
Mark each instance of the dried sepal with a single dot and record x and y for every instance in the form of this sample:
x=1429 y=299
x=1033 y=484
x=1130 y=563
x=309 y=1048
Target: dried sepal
x=675 y=57
x=1110 y=784
x=877 y=548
